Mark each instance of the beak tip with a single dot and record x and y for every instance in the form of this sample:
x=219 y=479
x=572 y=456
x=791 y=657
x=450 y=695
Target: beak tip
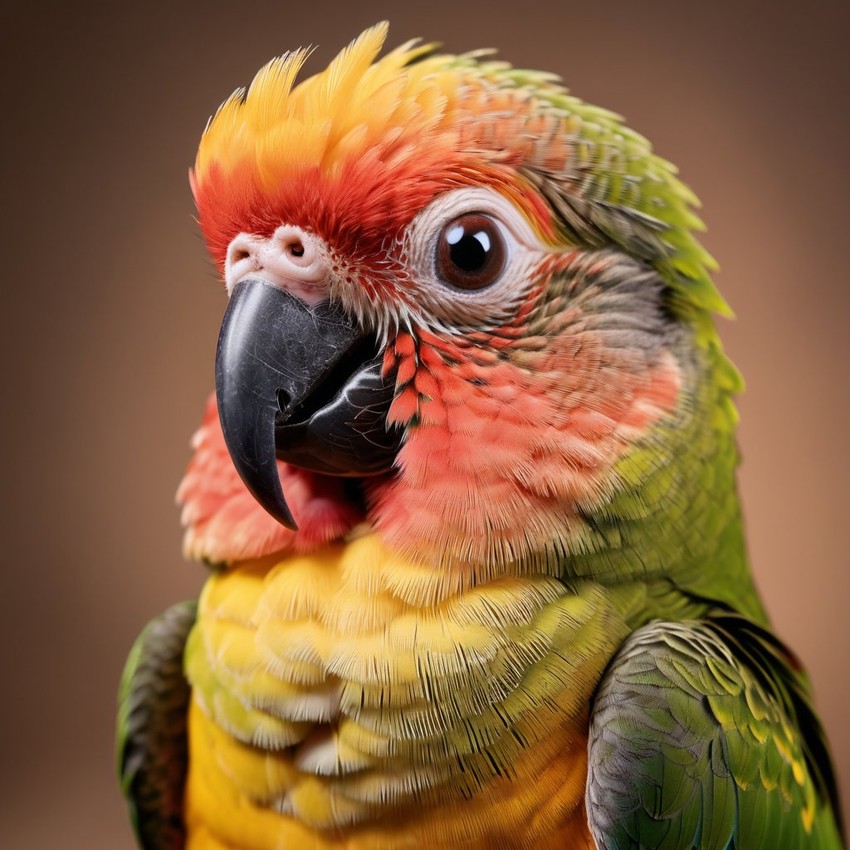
x=271 y=498
x=265 y=486
x=285 y=518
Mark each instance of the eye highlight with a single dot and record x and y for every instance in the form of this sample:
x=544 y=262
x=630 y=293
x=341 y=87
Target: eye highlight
x=471 y=252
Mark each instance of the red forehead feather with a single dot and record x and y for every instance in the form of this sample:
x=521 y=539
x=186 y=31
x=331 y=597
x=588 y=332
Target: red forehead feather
x=357 y=209
x=354 y=210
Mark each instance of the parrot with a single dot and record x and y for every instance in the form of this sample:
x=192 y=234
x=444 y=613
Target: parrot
x=466 y=489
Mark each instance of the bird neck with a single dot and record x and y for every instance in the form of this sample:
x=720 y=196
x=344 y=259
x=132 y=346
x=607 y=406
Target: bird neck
x=677 y=512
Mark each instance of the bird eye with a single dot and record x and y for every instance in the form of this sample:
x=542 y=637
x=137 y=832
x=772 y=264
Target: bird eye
x=470 y=252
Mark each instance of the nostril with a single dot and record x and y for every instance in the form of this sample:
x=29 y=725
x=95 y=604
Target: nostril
x=295 y=247
x=296 y=251
x=240 y=249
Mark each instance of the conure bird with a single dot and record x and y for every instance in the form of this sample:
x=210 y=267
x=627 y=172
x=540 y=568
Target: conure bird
x=467 y=492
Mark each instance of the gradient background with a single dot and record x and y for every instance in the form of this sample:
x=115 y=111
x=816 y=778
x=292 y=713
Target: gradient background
x=110 y=313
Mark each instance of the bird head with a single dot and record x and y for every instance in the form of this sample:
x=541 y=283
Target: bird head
x=470 y=297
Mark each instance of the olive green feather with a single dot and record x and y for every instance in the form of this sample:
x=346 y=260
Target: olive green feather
x=702 y=737
x=153 y=702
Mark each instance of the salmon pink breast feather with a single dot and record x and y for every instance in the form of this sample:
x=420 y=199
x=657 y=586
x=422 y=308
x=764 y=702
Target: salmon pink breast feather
x=466 y=489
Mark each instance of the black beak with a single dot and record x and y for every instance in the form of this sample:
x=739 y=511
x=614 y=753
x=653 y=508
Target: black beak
x=302 y=384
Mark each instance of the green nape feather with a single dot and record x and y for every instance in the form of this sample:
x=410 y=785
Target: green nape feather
x=702 y=736
x=151 y=745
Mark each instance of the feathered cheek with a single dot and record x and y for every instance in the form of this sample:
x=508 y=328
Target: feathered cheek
x=433 y=392
x=497 y=458
x=656 y=398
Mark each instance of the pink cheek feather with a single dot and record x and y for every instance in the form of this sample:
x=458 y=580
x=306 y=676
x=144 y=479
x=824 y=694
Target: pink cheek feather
x=500 y=454
x=406 y=371
x=404 y=407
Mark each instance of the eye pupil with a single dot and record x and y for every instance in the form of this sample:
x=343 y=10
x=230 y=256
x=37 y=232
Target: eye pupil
x=468 y=249
x=471 y=252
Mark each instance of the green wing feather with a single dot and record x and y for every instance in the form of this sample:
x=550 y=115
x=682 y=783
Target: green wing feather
x=702 y=737
x=153 y=702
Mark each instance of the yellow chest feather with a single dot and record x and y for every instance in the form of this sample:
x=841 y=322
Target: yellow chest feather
x=352 y=700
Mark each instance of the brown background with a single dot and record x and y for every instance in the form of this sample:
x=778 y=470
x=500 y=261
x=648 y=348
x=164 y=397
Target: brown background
x=110 y=312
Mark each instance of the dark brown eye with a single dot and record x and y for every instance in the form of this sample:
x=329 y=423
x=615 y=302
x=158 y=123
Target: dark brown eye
x=470 y=252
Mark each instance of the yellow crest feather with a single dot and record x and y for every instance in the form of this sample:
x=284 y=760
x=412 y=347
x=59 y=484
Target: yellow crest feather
x=325 y=118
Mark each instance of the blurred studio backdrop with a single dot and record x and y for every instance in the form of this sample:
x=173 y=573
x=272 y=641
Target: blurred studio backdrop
x=110 y=313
